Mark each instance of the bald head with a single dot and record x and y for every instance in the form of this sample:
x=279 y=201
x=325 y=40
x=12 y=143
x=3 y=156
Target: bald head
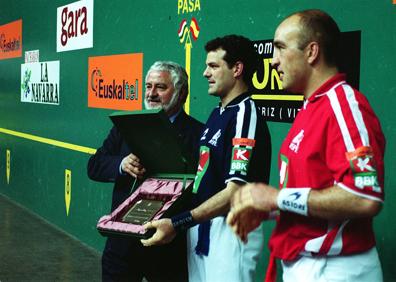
x=318 y=26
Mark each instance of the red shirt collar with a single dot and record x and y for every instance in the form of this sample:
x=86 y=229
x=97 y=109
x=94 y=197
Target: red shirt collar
x=337 y=78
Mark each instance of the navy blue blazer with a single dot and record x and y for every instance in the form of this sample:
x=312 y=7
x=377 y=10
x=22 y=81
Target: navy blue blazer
x=104 y=165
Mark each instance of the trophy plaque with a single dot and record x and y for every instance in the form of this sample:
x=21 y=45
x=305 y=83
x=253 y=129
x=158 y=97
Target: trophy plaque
x=142 y=211
x=167 y=190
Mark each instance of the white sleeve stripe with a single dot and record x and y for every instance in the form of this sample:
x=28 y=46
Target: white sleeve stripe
x=251 y=125
x=235 y=179
x=346 y=188
x=239 y=123
x=253 y=121
x=357 y=114
x=335 y=104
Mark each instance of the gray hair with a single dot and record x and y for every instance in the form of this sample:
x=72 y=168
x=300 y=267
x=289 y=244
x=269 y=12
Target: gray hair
x=178 y=74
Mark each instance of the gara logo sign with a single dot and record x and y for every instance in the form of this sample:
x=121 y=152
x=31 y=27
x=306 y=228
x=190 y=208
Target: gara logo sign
x=74 y=26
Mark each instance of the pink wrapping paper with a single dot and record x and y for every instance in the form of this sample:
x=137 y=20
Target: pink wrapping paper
x=164 y=189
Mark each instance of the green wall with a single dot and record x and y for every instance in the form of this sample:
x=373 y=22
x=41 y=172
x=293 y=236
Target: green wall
x=37 y=175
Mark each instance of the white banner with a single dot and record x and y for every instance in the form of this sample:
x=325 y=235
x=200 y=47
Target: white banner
x=40 y=83
x=32 y=56
x=74 y=26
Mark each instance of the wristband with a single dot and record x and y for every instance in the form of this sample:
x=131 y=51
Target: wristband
x=294 y=200
x=183 y=221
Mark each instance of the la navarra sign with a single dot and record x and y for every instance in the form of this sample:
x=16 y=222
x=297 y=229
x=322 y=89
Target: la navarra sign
x=40 y=83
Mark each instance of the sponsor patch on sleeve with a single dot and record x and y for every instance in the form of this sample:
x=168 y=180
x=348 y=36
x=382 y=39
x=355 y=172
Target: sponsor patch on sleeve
x=243 y=142
x=363 y=168
x=240 y=160
x=204 y=158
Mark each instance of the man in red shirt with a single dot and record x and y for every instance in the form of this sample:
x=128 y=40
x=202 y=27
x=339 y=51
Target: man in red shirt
x=331 y=165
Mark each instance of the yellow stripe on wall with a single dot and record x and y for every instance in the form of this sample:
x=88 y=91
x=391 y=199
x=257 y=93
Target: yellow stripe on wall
x=278 y=97
x=53 y=142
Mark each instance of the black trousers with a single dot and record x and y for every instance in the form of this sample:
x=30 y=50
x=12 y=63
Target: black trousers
x=126 y=259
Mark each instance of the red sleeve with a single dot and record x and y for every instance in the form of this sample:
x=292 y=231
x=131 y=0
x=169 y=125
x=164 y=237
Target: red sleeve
x=355 y=144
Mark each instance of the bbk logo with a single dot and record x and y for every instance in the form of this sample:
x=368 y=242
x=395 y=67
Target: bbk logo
x=295 y=144
x=369 y=180
x=215 y=137
x=240 y=160
x=364 y=164
x=241 y=155
x=239 y=166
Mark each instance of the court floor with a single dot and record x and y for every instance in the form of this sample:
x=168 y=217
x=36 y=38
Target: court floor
x=33 y=250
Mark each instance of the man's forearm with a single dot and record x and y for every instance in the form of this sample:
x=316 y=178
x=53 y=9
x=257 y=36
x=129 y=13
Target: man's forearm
x=336 y=203
x=218 y=204
x=332 y=203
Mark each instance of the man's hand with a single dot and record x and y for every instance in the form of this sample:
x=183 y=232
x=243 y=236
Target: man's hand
x=164 y=233
x=246 y=222
x=131 y=165
x=250 y=205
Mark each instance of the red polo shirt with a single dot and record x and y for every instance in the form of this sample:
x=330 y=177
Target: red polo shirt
x=336 y=139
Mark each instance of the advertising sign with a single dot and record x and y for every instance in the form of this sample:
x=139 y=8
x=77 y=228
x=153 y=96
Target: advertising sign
x=115 y=82
x=11 y=40
x=74 y=26
x=275 y=103
x=40 y=83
